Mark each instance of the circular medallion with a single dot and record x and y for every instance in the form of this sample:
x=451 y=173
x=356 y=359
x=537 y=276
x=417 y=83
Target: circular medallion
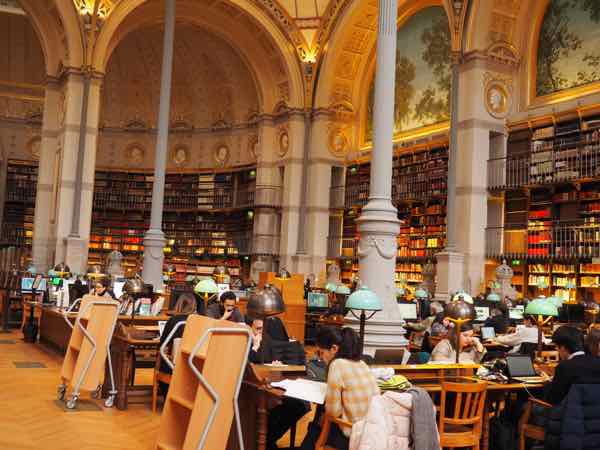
x=180 y=155
x=221 y=154
x=338 y=142
x=284 y=142
x=135 y=154
x=496 y=99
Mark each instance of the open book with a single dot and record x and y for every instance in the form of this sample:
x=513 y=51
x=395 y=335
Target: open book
x=311 y=391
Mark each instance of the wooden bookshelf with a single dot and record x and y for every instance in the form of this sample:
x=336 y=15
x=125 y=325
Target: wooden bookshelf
x=207 y=218
x=419 y=192
x=19 y=203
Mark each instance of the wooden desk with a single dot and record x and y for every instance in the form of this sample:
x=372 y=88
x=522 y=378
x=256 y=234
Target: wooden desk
x=257 y=396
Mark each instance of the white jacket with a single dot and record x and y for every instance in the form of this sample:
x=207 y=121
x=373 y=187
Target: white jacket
x=386 y=425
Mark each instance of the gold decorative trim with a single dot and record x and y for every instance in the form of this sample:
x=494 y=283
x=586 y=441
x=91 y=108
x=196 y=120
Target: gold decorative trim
x=338 y=141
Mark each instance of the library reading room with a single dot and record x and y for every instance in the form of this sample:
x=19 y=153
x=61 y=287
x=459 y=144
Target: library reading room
x=299 y=224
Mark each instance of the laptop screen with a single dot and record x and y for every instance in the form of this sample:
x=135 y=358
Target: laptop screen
x=408 y=311
x=520 y=366
x=515 y=313
x=482 y=313
x=488 y=333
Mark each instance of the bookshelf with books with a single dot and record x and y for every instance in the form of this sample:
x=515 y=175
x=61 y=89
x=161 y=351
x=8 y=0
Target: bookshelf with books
x=550 y=182
x=19 y=203
x=205 y=219
x=419 y=194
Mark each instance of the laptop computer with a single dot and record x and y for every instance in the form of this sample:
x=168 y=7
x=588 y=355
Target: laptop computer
x=488 y=333
x=520 y=368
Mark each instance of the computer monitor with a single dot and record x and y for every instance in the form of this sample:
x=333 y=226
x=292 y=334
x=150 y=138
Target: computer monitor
x=520 y=366
x=515 y=313
x=118 y=288
x=408 y=311
x=482 y=313
x=488 y=333
x=317 y=300
x=26 y=284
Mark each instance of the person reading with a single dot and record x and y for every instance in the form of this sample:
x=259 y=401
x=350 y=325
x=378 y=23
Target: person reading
x=350 y=385
x=471 y=349
x=225 y=309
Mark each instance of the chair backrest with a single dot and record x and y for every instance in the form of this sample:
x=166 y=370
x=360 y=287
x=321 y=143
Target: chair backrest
x=186 y=304
x=528 y=348
x=468 y=402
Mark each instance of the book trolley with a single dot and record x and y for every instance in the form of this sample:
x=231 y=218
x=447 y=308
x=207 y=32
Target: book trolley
x=207 y=376
x=89 y=347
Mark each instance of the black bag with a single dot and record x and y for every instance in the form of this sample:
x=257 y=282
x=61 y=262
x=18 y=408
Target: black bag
x=503 y=433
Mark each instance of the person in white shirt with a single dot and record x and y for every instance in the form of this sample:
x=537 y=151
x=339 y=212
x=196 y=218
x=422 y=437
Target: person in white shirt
x=528 y=332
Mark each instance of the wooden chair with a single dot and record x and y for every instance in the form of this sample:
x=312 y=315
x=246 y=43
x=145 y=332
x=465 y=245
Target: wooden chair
x=326 y=425
x=463 y=428
x=527 y=430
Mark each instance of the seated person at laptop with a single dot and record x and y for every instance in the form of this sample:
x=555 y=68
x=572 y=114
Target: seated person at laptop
x=575 y=367
x=225 y=308
x=425 y=325
x=471 y=349
x=441 y=325
x=497 y=320
x=528 y=332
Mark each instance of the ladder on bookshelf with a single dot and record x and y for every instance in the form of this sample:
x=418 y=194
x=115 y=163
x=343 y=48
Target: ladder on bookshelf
x=208 y=371
x=88 y=349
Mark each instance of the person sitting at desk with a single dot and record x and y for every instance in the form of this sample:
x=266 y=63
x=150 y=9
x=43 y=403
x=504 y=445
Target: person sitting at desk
x=526 y=333
x=225 y=308
x=498 y=320
x=101 y=289
x=575 y=367
x=471 y=349
x=441 y=325
x=350 y=385
x=425 y=325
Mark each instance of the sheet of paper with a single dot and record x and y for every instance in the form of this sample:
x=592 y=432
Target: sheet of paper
x=311 y=391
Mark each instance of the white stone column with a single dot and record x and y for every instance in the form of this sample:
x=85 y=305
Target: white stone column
x=267 y=197
x=450 y=262
x=378 y=224
x=44 y=241
x=154 y=239
x=73 y=250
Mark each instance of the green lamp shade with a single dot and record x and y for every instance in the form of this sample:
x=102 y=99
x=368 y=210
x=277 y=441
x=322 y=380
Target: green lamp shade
x=466 y=297
x=421 y=293
x=493 y=297
x=330 y=287
x=342 y=289
x=364 y=299
x=541 y=306
x=206 y=286
x=52 y=273
x=556 y=300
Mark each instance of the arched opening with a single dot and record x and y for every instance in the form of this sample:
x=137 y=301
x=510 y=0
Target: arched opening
x=22 y=90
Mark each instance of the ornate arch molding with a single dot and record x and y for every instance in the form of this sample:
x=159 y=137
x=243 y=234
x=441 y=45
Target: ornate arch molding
x=295 y=90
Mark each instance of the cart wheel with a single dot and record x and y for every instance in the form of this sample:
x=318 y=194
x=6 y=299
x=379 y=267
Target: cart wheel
x=110 y=401
x=96 y=394
x=72 y=402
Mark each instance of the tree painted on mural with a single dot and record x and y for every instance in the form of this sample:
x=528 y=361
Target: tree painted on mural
x=423 y=73
x=568 y=42
x=434 y=103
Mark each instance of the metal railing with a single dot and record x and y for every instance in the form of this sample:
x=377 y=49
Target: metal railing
x=560 y=163
x=334 y=247
x=556 y=241
x=337 y=197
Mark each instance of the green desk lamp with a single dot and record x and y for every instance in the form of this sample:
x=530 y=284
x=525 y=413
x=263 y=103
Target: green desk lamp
x=205 y=287
x=543 y=310
x=493 y=297
x=363 y=299
x=421 y=293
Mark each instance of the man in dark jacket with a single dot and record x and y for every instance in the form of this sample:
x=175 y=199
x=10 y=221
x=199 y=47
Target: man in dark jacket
x=575 y=366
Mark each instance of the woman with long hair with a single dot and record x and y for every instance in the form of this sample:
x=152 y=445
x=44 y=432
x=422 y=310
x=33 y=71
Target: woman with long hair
x=350 y=385
x=471 y=349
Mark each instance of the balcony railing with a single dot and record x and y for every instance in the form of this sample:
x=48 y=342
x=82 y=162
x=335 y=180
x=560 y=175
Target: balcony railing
x=557 y=241
x=555 y=165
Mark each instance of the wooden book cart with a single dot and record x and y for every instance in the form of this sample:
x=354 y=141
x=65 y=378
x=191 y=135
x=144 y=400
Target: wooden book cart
x=88 y=349
x=203 y=395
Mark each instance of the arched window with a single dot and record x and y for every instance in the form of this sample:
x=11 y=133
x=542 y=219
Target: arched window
x=423 y=73
x=568 y=53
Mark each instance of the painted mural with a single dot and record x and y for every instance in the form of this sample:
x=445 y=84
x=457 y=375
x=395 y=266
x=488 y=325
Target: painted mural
x=423 y=73
x=569 y=46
